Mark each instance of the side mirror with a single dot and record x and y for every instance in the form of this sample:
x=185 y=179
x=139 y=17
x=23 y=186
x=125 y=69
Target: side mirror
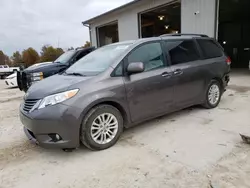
x=135 y=67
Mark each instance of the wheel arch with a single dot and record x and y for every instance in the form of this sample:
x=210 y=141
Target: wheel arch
x=218 y=79
x=124 y=112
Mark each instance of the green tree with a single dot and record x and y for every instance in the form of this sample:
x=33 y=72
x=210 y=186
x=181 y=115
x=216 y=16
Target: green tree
x=17 y=59
x=50 y=53
x=8 y=61
x=4 y=59
x=87 y=44
x=30 y=56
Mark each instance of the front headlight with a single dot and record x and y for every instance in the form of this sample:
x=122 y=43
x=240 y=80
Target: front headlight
x=57 y=98
x=36 y=76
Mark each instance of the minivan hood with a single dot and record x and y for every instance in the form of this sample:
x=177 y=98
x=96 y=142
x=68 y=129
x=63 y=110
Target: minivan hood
x=43 y=67
x=52 y=85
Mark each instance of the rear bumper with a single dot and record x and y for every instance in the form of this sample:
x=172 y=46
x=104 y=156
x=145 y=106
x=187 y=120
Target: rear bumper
x=225 y=81
x=41 y=126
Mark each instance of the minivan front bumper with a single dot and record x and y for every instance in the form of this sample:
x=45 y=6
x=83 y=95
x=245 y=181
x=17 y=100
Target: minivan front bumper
x=52 y=127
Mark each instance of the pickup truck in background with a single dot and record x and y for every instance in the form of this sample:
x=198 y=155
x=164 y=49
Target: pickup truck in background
x=11 y=80
x=5 y=71
x=33 y=74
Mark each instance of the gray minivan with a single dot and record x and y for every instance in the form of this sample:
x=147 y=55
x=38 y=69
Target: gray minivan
x=123 y=84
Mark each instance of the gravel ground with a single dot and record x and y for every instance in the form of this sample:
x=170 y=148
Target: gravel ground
x=191 y=148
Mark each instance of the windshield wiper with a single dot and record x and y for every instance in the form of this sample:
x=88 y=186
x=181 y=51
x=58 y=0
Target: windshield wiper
x=74 y=74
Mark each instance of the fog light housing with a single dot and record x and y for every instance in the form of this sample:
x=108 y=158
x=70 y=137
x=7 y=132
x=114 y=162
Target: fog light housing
x=55 y=137
x=58 y=137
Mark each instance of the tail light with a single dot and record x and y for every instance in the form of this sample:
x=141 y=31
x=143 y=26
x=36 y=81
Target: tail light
x=228 y=61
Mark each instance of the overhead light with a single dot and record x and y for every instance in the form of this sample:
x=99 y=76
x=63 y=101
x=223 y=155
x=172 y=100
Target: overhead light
x=166 y=26
x=176 y=32
x=161 y=17
x=224 y=42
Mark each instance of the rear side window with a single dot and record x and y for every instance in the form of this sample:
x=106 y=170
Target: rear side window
x=182 y=51
x=210 y=49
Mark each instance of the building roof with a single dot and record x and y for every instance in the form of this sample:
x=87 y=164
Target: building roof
x=111 y=11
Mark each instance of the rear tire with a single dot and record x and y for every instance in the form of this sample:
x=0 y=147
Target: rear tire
x=213 y=95
x=102 y=127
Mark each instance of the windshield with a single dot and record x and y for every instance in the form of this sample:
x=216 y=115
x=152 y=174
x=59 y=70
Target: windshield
x=64 y=58
x=98 y=61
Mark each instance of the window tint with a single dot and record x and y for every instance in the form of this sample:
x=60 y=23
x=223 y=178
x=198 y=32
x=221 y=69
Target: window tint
x=210 y=49
x=150 y=54
x=182 y=51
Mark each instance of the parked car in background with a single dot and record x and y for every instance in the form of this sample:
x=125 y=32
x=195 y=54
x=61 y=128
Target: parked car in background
x=11 y=80
x=5 y=70
x=33 y=74
x=18 y=77
x=123 y=84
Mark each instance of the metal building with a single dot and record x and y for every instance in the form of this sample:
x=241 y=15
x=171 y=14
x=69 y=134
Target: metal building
x=226 y=20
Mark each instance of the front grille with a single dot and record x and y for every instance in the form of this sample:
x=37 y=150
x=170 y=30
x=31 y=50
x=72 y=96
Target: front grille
x=19 y=80
x=23 y=81
x=29 y=104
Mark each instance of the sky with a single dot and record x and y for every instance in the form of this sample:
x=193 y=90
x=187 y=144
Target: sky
x=34 y=23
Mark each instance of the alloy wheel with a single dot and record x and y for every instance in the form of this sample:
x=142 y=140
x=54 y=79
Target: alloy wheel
x=104 y=128
x=214 y=94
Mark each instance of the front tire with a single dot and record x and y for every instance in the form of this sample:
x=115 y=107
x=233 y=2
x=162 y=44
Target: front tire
x=213 y=95
x=102 y=127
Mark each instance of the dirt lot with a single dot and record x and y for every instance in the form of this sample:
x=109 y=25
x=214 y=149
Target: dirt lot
x=191 y=148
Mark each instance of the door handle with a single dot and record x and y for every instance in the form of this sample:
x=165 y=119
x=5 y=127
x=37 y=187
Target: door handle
x=178 y=72
x=166 y=74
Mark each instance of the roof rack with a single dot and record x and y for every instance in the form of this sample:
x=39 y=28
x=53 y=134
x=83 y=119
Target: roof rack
x=184 y=34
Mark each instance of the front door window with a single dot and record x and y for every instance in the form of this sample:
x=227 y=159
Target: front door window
x=150 y=55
